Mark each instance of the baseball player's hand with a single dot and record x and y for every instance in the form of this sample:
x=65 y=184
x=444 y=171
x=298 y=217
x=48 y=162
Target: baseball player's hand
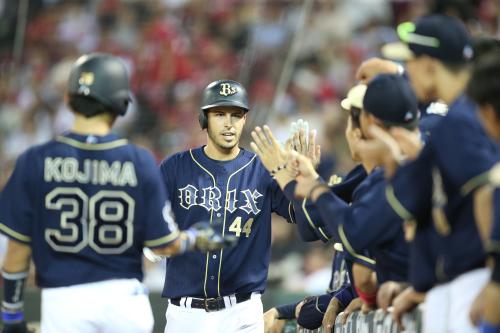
x=382 y=150
x=355 y=305
x=486 y=307
x=268 y=148
x=330 y=316
x=304 y=141
x=206 y=238
x=409 y=142
x=403 y=303
x=19 y=327
x=353 y=137
x=386 y=294
x=374 y=66
x=270 y=317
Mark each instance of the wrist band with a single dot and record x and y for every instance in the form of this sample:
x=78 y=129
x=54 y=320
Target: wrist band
x=367 y=298
x=12 y=317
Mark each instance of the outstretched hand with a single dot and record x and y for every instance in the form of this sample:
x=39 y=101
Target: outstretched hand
x=304 y=141
x=268 y=149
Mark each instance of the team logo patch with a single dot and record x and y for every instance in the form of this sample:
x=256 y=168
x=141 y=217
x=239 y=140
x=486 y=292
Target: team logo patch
x=86 y=78
x=226 y=89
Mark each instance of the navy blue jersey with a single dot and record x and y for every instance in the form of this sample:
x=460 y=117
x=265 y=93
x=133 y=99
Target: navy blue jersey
x=238 y=195
x=440 y=182
x=87 y=205
x=368 y=223
x=309 y=222
x=340 y=275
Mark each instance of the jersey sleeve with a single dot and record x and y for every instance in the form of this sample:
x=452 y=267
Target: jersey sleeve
x=367 y=222
x=280 y=204
x=465 y=152
x=493 y=246
x=16 y=202
x=409 y=192
x=161 y=229
x=306 y=216
x=423 y=258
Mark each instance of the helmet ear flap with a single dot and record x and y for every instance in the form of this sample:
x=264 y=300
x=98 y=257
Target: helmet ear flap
x=202 y=119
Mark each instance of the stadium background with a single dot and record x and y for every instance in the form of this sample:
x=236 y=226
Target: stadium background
x=296 y=57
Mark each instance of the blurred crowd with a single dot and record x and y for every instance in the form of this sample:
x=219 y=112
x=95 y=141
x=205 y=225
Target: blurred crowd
x=173 y=48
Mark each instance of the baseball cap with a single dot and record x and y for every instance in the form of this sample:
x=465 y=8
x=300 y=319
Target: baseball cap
x=354 y=97
x=390 y=98
x=438 y=36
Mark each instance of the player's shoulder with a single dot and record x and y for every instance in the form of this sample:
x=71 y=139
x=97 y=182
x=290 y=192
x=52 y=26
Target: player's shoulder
x=179 y=158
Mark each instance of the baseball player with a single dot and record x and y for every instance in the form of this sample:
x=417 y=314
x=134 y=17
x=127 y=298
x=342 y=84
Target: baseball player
x=228 y=185
x=83 y=206
x=484 y=89
x=441 y=181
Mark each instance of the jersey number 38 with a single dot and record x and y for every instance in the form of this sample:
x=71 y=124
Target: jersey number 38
x=103 y=221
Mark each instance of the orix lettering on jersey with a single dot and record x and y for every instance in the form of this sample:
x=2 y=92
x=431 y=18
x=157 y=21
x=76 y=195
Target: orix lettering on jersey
x=210 y=199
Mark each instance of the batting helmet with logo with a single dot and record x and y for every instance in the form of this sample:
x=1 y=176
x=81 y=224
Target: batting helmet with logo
x=222 y=93
x=103 y=78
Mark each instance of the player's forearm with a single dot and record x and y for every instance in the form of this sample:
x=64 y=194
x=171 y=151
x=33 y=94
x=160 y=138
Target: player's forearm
x=283 y=178
x=17 y=258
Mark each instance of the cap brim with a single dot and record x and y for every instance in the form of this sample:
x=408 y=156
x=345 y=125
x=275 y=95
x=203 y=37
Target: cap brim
x=397 y=51
x=346 y=104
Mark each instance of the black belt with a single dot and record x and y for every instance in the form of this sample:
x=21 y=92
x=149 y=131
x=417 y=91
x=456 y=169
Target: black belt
x=211 y=304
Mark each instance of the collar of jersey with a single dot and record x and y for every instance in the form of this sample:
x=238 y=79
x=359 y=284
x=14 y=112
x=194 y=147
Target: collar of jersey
x=243 y=157
x=83 y=138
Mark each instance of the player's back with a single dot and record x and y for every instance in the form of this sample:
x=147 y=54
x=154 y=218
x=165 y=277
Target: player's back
x=84 y=205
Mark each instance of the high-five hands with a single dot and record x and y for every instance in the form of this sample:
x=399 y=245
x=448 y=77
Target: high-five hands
x=304 y=141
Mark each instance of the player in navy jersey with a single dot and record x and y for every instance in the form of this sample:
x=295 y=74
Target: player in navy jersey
x=84 y=206
x=437 y=189
x=228 y=185
x=484 y=88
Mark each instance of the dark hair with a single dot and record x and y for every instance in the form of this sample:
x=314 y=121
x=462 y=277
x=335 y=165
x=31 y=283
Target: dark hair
x=355 y=113
x=483 y=46
x=87 y=106
x=484 y=84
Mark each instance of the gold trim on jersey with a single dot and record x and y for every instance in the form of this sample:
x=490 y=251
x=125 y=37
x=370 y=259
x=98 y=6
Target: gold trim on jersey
x=493 y=246
x=92 y=146
x=211 y=217
x=306 y=213
x=396 y=205
x=165 y=239
x=348 y=247
x=290 y=209
x=15 y=234
x=475 y=182
x=225 y=215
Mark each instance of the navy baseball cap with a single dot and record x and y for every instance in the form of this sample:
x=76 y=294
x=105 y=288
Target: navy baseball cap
x=438 y=36
x=390 y=98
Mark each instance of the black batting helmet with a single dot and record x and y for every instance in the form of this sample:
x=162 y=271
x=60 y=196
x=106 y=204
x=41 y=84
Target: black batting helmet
x=222 y=93
x=103 y=78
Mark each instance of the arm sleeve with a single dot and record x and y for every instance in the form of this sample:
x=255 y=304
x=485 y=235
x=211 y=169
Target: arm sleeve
x=280 y=204
x=17 y=202
x=465 y=152
x=409 y=192
x=423 y=258
x=307 y=218
x=368 y=221
x=287 y=311
x=161 y=229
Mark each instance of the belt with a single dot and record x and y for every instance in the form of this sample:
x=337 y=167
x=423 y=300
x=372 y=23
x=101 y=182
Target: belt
x=211 y=304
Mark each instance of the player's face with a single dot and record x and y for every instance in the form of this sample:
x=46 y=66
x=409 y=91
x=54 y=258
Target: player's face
x=225 y=124
x=421 y=71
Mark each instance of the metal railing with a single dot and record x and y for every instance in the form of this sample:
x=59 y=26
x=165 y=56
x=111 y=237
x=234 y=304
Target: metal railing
x=373 y=322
